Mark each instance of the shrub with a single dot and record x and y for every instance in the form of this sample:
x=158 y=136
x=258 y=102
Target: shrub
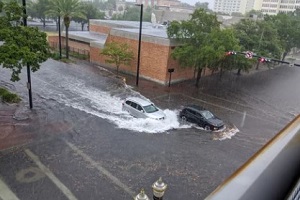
x=8 y=96
x=55 y=56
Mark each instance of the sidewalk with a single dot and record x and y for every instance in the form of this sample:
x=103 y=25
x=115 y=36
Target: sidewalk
x=13 y=124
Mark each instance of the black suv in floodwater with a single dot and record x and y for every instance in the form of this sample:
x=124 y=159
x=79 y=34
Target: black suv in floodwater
x=202 y=117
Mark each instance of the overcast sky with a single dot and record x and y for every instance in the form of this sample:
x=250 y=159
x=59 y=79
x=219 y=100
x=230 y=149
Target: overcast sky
x=192 y=2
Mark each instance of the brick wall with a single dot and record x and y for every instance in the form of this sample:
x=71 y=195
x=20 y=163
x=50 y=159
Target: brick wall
x=53 y=40
x=154 y=61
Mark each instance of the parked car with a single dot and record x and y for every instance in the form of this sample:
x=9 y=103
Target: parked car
x=142 y=108
x=202 y=117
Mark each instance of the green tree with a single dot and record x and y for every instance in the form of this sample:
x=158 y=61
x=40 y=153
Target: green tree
x=243 y=64
x=202 y=5
x=118 y=54
x=37 y=9
x=259 y=37
x=288 y=28
x=133 y=14
x=67 y=9
x=22 y=46
x=111 y=5
x=90 y=12
x=224 y=41
x=196 y=41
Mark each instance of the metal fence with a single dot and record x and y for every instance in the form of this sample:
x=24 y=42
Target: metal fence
x=74 y=52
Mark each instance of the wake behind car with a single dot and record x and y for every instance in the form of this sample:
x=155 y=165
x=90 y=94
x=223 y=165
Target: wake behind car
x=202 y=117
x=142 y=108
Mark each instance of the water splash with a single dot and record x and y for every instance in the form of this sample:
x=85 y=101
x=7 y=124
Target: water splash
x=74 y=93
x=227 y=133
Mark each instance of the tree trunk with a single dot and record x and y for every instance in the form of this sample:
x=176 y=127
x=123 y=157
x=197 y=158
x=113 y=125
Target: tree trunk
x=221 y=73
x=117 y=70
x=239 y=71
x=82 y=26
x=257 y=65
x=284 y=55
x=67 y=42
x=199 y=72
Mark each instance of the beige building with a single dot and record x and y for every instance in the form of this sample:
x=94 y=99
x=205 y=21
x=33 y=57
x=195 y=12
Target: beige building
x=270 y=7
x=273 y=7
x=230 y=6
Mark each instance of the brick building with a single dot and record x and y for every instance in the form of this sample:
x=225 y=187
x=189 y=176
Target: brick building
x=156 y=48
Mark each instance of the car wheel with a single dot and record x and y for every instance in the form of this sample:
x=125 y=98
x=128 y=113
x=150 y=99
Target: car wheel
x=206 y=127
x=183 y=118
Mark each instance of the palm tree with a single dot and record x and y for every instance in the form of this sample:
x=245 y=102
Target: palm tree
x=66 y=9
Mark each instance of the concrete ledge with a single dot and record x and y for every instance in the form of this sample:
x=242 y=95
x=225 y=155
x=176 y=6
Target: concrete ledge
x=86 y=36
x=97 y=44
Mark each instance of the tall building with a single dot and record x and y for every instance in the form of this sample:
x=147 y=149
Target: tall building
x=273 y=7
x=230 y=6
x=270 y=7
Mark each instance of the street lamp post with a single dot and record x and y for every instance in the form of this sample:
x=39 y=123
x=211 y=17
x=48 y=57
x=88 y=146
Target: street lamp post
x=28 y=67
x=139 y=47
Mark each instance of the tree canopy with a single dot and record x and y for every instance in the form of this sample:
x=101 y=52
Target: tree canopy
x=132 y=13
x=37 y=9
x=117 y=54
x=67 y=9
x=288 y=29
x=202 y=5
x=201 y=42
x=22 y=45
x=90 y=12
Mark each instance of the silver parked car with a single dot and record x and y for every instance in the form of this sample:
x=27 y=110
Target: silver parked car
x=141 y=108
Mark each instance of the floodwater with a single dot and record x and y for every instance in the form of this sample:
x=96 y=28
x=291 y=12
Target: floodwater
x=79 y=144
x=104 y=101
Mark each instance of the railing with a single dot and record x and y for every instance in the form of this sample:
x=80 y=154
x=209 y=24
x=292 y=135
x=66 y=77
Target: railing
x=272 y=173
x=75 y=52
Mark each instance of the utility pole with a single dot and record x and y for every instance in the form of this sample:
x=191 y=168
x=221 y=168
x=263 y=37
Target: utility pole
x=28 y=67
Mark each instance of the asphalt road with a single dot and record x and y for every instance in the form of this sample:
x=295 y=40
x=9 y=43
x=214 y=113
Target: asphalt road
x=79 y=144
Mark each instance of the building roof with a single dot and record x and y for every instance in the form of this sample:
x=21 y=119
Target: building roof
x=154 y=33
x=86 y=36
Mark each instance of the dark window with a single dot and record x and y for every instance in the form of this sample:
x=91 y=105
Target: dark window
x=192 y=112
x=133 y=105
x=128 y=102
x=139 y=108
x=199 y=115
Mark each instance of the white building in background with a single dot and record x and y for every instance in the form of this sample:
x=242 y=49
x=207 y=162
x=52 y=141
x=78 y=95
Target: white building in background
x=270 y=7
x=230 y=6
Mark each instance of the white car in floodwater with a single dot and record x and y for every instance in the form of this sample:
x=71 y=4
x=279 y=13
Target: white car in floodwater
x=142 y=108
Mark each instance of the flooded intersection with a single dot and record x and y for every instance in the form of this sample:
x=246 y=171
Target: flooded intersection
x=83 y=146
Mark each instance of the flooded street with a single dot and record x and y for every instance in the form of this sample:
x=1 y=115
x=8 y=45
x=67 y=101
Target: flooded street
x=77 y=143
